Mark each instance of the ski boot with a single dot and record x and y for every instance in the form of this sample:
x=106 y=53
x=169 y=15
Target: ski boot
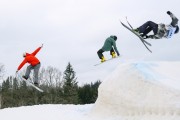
x=36 y=84
x=145 y=36
x=103 y=59
x=24 y=77
x=137 y=31
x=113 y=54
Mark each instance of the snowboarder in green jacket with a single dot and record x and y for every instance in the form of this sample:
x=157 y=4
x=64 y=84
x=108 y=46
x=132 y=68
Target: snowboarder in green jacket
x=109 y=45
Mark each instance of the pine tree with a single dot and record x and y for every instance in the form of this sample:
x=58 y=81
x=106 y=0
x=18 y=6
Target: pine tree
x=88 y=93
x=70 y=87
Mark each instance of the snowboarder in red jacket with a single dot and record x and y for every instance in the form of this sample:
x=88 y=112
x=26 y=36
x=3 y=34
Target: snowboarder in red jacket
x=34 y=64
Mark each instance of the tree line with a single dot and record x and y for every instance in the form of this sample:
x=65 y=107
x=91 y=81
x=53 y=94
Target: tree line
x=59 y=88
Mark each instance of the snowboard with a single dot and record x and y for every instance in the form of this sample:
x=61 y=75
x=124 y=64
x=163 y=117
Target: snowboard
x=106 y=61
x=142 y=40
x=29 y=83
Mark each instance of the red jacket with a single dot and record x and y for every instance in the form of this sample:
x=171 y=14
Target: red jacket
x=30 y=58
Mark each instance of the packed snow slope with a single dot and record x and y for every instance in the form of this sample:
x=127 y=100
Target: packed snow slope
x=135 y=90
x=140 y=90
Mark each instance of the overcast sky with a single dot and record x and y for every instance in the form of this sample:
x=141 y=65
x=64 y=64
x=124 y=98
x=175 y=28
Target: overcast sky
x=73 y=31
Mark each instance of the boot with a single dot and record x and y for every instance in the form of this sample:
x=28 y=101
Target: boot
x=136 y=30
x=103 y=59
x=24 y=77
x=113 y=54
x=36 y=84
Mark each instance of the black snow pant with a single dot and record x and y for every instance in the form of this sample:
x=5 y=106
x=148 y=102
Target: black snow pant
x=147 y=27
x=100 y=55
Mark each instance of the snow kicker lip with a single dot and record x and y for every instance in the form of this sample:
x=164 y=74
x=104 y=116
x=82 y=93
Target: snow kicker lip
x=128 y=94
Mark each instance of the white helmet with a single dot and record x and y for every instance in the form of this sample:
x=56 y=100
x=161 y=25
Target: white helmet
x=24 y=54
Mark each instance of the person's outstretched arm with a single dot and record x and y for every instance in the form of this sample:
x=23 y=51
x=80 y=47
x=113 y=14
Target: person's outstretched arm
x=174 y=18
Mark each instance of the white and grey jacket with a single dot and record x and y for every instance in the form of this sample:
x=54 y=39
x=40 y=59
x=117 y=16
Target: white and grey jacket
x=167 y=31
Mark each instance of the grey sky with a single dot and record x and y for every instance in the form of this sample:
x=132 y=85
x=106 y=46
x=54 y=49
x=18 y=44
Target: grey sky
x=73 y=30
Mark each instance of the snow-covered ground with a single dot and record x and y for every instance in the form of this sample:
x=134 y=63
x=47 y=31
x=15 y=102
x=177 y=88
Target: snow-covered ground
x=46 y=112
x=135 y=90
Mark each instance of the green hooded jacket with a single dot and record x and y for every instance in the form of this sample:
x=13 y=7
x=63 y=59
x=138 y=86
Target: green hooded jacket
x=109 y=43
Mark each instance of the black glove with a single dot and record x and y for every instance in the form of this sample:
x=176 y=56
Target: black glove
x=169 y=13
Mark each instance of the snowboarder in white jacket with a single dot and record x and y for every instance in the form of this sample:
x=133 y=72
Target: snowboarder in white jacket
x=160 y=30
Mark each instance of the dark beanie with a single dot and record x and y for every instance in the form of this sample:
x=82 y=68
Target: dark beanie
x=115 y=38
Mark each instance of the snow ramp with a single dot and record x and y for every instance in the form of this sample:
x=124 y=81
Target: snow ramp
x=140 y=91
